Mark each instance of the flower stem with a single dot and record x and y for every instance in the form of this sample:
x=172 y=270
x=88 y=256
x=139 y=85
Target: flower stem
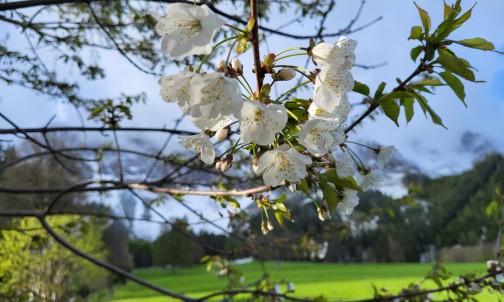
x=213 y=49
x=236 y=28
x=291 y=55
x=288 y=49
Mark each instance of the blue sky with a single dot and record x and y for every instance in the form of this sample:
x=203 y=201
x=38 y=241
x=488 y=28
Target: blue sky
x=436 y=149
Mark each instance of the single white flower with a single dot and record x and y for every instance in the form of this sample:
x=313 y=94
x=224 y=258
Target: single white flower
x=372 y=180
x=345 y=165
x=214 y=99
x=200 y=143
x=384 y=156
x=331 y=88
x=319 y=136
x=348 y=203
x=188 y=30
x=259 y=122
x=176 y=89
x=282 y=163
x=338 y=57
x=316 y=112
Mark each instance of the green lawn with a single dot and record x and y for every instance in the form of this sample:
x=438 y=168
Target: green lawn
x=335 y=281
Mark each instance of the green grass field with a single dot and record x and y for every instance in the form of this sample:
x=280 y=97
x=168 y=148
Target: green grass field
x=334 y=281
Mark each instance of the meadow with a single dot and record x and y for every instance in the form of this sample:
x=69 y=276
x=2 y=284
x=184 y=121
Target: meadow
x=334 y=281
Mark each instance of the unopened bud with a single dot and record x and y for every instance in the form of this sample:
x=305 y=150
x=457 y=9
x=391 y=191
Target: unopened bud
x=285 y=74
x=226 y=166
x=264 y=230
x=227 y=163
x=269 y=62
x=237 y=66
x=221 y=66
x=218 y=165
x=269 y=225
x=221 y=134
x=292 y=187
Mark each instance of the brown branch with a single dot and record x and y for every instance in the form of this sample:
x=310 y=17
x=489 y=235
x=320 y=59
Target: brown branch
x=375 y=104
x=31 y=3
x=152 y=187
x=255 y=44
x=18 y=130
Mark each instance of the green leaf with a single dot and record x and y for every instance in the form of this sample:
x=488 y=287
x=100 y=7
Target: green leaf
x=379 y=91
x=429 y=82
x=456 y=66
x=455 y=84
x=416 y=32
x=232 y=202
x=478 y=43
x=242 y=45
x=281 y=199
x=447 y=10
x=424 y=16
x=361 y=88
x=415 y=52
x=304 y=187
x=458 y=22
x=330 y=195
x=391 y=109
x=427 y=109
x=407 y=104
x=348 y=182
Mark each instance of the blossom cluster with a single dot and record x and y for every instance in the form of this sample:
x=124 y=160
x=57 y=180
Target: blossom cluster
x=283 y=155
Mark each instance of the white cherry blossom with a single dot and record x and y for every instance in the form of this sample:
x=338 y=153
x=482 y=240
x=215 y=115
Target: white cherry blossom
x=260 y=122
x=339 y=55
x=319 y=136
x=348 y=203
x=282 y=163
x=372 y=180
x=200 y=143
x=316 y=112
x=214 y=99
x=345 y=165
x=188 y=30
x=176 y=89
x=331 y=88
x=384 y=156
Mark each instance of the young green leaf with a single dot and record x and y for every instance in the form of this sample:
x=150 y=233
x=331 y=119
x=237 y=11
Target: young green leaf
x=455 y=84
x=478 y=43
x=348 y=182
x=416 y=33
x=379 y=91
x=456 y=66
x=426 y=21
x=416 y=51
x=429 y=82
x=407 y=104
x=330 y=195
x=427 y=109
x=391 y=109
x=361 y=88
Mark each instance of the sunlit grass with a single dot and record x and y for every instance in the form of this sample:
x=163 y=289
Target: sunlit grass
x=334 y=281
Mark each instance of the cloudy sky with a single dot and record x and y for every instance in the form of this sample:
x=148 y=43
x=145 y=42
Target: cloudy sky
x=431 y=147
